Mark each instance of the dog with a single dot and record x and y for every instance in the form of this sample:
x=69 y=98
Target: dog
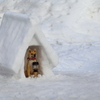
x=32 y=64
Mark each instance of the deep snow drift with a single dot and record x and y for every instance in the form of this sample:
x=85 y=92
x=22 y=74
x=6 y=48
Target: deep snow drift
x=72 y=28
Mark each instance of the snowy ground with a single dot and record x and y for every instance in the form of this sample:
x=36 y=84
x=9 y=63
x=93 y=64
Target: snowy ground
x=72 y=27
x=68 y=86
x=78 y=57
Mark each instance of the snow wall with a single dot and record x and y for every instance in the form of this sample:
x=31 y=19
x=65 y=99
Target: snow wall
x=16 y=33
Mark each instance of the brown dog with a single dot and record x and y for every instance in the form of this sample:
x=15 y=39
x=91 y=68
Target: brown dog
x=32 y=64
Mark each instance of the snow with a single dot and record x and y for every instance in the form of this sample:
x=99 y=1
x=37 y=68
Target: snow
x=72 y=28
x=68 y=85
x=76 y=77
x=79 y=57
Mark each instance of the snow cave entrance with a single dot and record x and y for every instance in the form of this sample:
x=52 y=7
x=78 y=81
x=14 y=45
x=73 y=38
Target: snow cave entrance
x=30 y=62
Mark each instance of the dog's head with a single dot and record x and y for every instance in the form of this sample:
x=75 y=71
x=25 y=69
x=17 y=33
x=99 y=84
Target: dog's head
x=32 y=53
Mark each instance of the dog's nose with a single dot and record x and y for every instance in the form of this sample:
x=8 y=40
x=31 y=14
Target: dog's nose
x=34 y=55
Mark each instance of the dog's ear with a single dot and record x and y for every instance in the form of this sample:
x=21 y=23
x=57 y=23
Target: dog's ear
x=29 y=50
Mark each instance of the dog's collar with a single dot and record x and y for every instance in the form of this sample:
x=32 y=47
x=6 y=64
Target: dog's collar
x=31 y=58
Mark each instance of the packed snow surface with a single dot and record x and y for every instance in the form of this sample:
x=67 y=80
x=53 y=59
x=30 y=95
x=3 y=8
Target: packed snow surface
x=71 y=20
x=68 y=86
x=72 y=27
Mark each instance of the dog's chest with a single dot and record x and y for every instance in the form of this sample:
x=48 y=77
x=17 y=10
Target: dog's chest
x=30 y=62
